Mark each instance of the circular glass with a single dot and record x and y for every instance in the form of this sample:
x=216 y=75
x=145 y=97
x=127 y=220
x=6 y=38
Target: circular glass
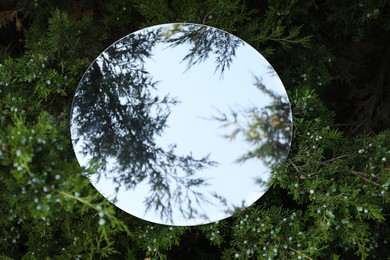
x=181 y=124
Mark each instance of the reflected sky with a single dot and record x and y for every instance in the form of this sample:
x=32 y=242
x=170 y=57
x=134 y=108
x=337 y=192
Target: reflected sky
x=155 y=111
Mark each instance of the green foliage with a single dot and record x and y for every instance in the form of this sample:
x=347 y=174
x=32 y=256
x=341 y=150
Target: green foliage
x=340 y=188
x=329 y=200
x=62 y=39
x=227 y=13
x=37 y=169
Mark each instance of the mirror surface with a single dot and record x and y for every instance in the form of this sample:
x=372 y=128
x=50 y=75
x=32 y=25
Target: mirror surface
x=181 y=124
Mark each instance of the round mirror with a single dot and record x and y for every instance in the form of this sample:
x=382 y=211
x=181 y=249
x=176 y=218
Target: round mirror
x=181 y=124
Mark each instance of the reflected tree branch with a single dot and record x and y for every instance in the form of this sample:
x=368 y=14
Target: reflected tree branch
x=204 y=41
x=268 y=129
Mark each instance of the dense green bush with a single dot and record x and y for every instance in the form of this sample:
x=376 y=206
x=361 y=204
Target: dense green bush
x=329 y=200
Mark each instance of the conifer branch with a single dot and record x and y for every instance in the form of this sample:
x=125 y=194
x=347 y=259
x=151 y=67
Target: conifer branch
x=299 y=252
x=360 y=175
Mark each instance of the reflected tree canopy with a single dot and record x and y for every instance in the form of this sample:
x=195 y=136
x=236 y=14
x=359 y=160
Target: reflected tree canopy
x=115 y=117
x=204 y=41
x=268 y=128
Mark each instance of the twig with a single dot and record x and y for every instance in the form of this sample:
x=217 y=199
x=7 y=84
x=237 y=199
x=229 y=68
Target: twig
x=295 y=167
x=360 y=175
x=300 y=253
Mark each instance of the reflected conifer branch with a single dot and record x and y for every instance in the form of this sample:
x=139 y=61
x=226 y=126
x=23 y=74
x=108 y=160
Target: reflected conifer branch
x=204 y=41
x=267 y=129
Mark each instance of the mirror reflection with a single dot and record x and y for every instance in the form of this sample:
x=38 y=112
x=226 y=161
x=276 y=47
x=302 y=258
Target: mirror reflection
x=181 y=124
